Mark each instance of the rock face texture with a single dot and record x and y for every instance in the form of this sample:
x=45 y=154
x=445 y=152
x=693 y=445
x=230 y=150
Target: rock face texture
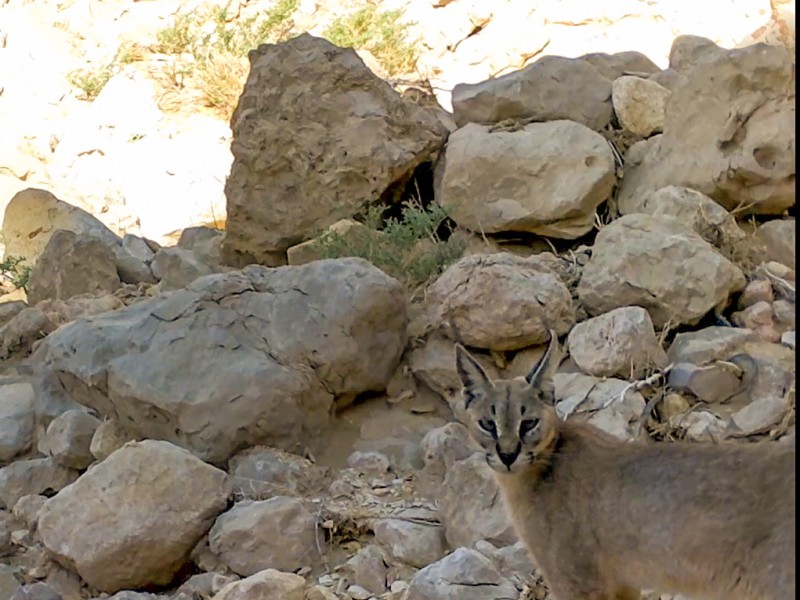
x=728 y=133
x=110 y=526
x=316 y=137
x=546 y=178
x=527 y=298
x=658 y=263
x=552 y=88
x=261 y=355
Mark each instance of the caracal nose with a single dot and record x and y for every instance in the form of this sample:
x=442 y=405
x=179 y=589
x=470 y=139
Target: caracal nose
x=508 y=458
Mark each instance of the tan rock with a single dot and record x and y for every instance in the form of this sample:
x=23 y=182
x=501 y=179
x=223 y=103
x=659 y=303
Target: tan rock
x=728 y=133
x=550 y=89
x=546 y=178
x=279 y=533
x=779 y=238
x=34 y=476
x=620 y=342
x=107 y=439
x=308 y=251
x=758 y=290
x=16 y=420
x=639 y=104
x=658 y=263
x=68 y=437
x=132 y=520
x=362 y=139
x=265 y=585
x=72 y=265
x=526 y=296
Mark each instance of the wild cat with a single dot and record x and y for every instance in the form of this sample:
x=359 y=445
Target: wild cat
x=604 y=519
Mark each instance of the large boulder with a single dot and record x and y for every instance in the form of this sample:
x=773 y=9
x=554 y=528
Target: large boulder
x=72 y=265
x=546 y=178
x=237 y=359
x=132 y=521
x=660 y=264
x=554 y=87
x=526 y=297
x=316 y=137
x=728 y=133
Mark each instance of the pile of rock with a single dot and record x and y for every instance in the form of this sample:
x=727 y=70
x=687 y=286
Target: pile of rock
x=161 y=406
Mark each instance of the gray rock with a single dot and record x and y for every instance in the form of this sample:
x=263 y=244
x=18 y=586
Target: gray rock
x=176 y=267
x=787 y=339
x=35 y=591
x=707 y=344
x=545 y=178
x=265 y=585
x=255 y=367
x=17 y=419
x=364 y=138
x=527 y=298
x=72 y=265
x=68 y=439
x=463 y=575
x=471 y=506
x=620 y=342
x=108 y=437
x=9 y=310
x=27 y=510
x=446 y=445
x=728 y=133
x=22 y=331
x=262 y=472
x=279 y=533
x=410 y=542
x=373 y=463
x=369 y=569
x=600 y=402
x=758 y=416
x=779 y=237
x=551 y=88
x=138 y=248
x=691 y=279
x=35 y=476
x=712 y=383
x=8 y=524
x=132 y=520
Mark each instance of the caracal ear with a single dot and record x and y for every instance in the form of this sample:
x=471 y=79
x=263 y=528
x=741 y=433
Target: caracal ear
x=470 y=371
x=541 y=376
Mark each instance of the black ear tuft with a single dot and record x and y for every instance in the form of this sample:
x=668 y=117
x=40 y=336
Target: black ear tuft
x=470 y=372
x=540 y=377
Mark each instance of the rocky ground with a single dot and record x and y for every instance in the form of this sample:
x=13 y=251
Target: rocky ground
x=258 y=412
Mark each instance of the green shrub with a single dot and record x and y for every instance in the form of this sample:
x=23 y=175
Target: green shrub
x=17 y=273
x=91 y=81
x=381 y=33
x=408 y=248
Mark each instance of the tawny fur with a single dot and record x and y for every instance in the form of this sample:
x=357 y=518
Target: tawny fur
x=605 y=519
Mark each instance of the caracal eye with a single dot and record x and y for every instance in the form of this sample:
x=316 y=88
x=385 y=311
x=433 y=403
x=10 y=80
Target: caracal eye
x=488 y=426
x=527 y=426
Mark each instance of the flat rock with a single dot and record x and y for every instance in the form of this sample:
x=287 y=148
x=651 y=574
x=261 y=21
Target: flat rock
x=526 y=296
x=250 y=373
x=471 y=507
x=552 y=88
x=707 y=344
x=463 y=575
x=619 y=342
x=728 y=133
x=658 y=263
x=279 y=533
x=545 y=178
x=170 y=499
x=313 y=108
x=412 y=543
x=639 y=104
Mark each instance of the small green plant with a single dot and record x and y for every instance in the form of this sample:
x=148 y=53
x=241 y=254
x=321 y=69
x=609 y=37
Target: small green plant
x=91 y=81
x=17 y=273
x=380 y=32
x=408 y=248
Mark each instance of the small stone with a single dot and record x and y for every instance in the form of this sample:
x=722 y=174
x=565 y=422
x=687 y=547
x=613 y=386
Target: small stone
x=758 y=416
x=356 y=592
x=673 y=405
x=412 y=543
x=398 y=587
x=27 y=509
x=369 y=569
x=369 y=462
x=35 y=591
x=756 y=315
x=787 y=339
x=265 y=585
x=712 y=383
x=107 y=438
x=758 y=290
x=639 y=104
x=700 y=426
x=785 y=313
x=68 y=439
